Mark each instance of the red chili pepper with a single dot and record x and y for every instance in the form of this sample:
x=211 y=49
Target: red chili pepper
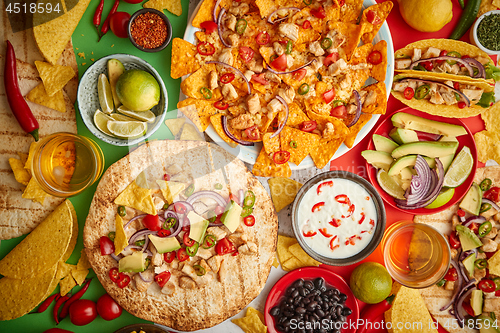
x=371 y=312
x=328 y=183
x=309 y=233
x=98 y=14
x=362 y=218
x=59 y=302
x=77 y=296
x=47 y=303
x=333 y=247
x=343 y=199
x=221 y=105
x=105 y=25
x=350 y=211
x=205 y=48
x=317 y=207
x=351 y=240
x=17 y=103
x=335 y=222
x=325 y=233
x=487 y=285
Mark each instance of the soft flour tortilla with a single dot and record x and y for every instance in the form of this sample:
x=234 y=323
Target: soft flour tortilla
x=435 y=297
x=19 y=216
x=200 y=308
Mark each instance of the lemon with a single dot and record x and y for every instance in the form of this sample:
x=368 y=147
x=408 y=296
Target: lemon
x=105 y=94
x=444 y=196
x=426 y=15
x=459 y=169
x=141 y=115
x=127 y=129
x=370 y=282
x=138 y=90
x=389 y=185
x=101 y=122
x=120 y=117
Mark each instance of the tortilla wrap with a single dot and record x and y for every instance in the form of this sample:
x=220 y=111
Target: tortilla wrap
x=208 y=305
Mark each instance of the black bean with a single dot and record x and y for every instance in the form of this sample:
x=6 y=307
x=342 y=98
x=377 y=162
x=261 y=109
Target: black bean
x=322 y=330
x=317 y=298
x=297 y=318
x=282 y=319
x=294 y=294
x=309 y=285
x=287 y=329
x=323 y=289
x=325 y=306
x=286 y=323
x=336 y=298
x=306 y=300
x=300 y=310
x=316 y=316
x=275 y=311
x=338 y=310
x=312 y=306
x=316 y=292
x=335 y=291
x=342 y=318
x=303 y=291
x=320 y=313
x=299 y=283
x=280 y=327
x=288 y=313
x=346 y=311
x=329 y=292
x=309 y=330
x=301 y=330
x=289 y=291
x=319 y=282
x=327 y=317
x=343 y=297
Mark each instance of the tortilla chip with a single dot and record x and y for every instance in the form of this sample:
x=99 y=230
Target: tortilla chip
x=121 y=241
x=198 y=111
x=379 y=71
x=271 y=145
x=282 y=247
x=350 y=10
x=183 y=60
x=380 y=106
x=352 y=33
x=291 y=264
x=54 y=77
x=190 y=133
x=83 y=262
x=340 y=129
x=173 y=6
x=27 y=165
x=22 y=176
x=79 y=275
x=74 y=232
x=23 y=157
x=300 y=254
x=265 y=167
x=66 y=284
x=175 y=125
x=266 y=7
x=42 y=248
x=205 y=13
x=304 y=142
x=34 y=192
x=488 y=146
x=251 y=311
x=217 y=124
x=38 y=95
x=490 y=118
x=381 y=10
x=295 y=115
x=251 y=323
x=283 y=191
x=170 y=189
x=325 y=151
x=137 y=197
x=192 y=85
x=21 y=296
x=63 y=269
x=276 y=263
x=354 y=130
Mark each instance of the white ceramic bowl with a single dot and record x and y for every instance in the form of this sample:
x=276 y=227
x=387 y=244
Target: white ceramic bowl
x=473 y=33
x=88 y=99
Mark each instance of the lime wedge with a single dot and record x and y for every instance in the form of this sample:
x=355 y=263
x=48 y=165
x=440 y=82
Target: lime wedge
x=388 y=184
x=101 y=122
x=139 y=115
x=459 y=169
x=444 y=196
x=120 y=117
x=127 y=129
x=105 y=94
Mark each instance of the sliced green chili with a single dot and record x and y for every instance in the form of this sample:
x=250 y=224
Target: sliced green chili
x=420 y=68
x=497 y=282
x=485 y=184
x=422 y=91
x=211 y=216
x=218 y=186
x=338 y=102
x=289 y=47
x=274 y=56
x=303 y=89
x=249 y=200
x=402 y=56
x=484 y=208
x=241 y=26
x=441 y=283
x=189 y=190
x=453 y=54
x=326 y=43
x=457 y=97
x=293 y=144
x=111 y=235
x=307 y=2
x=192 y=250
x=122 y=211
x=209 y=241
x=200 y=271
x=247 y=211
x=140 y=242
x=206 y=93
x=169 y=223
x=165 y=206
x=147 y=262
x=481 y=263
x=484 y=229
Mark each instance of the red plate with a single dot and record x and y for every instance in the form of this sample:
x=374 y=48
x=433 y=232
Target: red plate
x=310 y=273
x=464 y=140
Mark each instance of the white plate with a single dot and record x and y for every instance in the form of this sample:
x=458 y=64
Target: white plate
x=249 y=154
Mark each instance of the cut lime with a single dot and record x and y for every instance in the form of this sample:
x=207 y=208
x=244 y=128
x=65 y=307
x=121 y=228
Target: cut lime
x=120 y=117
x=139 y=115
x=459 y=169
x=101 y=122
x=127 y=129
x=105 y=94
x=444 y=196
x=389 y=185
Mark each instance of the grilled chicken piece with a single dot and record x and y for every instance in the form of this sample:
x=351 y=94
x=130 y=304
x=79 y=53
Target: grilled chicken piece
x=239 y=9
x=489 y=245
x=233 y=40
x=329 y=131
x=274 y=105
x=417 y=54
x=289 y=30
x=231 y=22
x=217 y=232
x=248 y=248
x=226 y=56
x=255 y=66
x=214 y=263
x=253 y=103
x=371 y=98
x=431 y=53
x=229 y=92
x=142 y=285
x=316 y=49
x=168 y=288
x=213 y=80
x=243 y=121
x=278 y=49
x=287 y=94
x=473 y=94
x=186 y=283
x=402 y=63
x=203 y=253
x=224 y=267
x=436 y=98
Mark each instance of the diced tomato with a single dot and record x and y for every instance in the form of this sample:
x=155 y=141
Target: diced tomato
x=331 y=58
x=162 y=278
x=308 y=126
x=253 y=133
x=468 y=308
x=373 y=18
x=329 y=95
x=246 y=53
x=164 y=233
x=262 y=38
x=493 y=194
x=123 y=281
x=179 y=208
x=325 y=233
x=454 y=241
x=224 y=246
x=442 y=53
x=461 y=104
x=375 y=57
x=279 y=63
x=306 y=24
x=249 y=220
x=317 y=207
x=186 y=228
x=106 y=246
x=456 y=85
x=363 y=216
x=335 y=222
x=333 y=247
x=259 y=78
x=169 y=256
x=451 y=275
x=182 y=254
x=309 y=233
x=187 y=241
x=114 y=274
x=221 y=105
x=209 y=26
x=339 y=111
x=299 y=74
x=227 y=78
x=489 y=254
x=319 y=13
x=428 y=65
x=166 y=177
x=408 y=93
x=474 y=227
x=487 y=285
x=327 y=183
x=152 y=222
x=350 y=211
x=461 y=213
x=497 y=293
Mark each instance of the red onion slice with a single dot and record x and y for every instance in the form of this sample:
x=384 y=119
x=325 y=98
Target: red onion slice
x=492 y=203
x=474 y=219
x=287 y=112
x=358 y=108
x=420 y=183
x=138 y=234
x=236 y=70
x=458 y=286
x=269 y=68
x=133 y=219
x=269 y=18
x=219 y=199
x=145 y=279
x=214 y=14
x=219 y=27
x=231 y=136
x=241 y=196
x=481 y=73
x=459 y=60
x=457 y=306
x=462 y=96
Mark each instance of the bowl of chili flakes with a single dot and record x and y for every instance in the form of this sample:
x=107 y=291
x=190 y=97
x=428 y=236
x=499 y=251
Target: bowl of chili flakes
x=149 y=30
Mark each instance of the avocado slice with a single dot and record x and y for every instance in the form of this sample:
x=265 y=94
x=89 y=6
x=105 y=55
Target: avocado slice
x=476 y=302
x=163 y=244
x=406 y=161
x=469 y=264
x=489 y=324
x=426 y=148
x=448 y=138
x=379 y=159
x=472 y=200
x=115 y=69
x=232 y=215
x=446 y=161
x=406 y=173
x=416 y=123
x=135 y=262
x=384 y=144
x=402 y=136
x=198 y=226
x=468 y=239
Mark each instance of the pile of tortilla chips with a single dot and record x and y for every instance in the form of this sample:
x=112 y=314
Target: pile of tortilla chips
x=488 y=141
x=319 y=47
x=291 y=255
x=36 y=265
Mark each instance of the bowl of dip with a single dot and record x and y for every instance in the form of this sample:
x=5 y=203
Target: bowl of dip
x=485 y=33
x=149 y=30
x=338 y=218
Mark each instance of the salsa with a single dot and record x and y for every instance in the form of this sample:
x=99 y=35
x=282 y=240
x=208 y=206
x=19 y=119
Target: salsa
x=488 y=32
x=149 y=30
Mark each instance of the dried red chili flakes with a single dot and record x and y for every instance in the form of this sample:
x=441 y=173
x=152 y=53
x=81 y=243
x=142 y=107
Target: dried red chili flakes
x=149 y=30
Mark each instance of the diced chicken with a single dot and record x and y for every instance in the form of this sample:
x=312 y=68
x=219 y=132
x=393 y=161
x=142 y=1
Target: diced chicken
x=189 y=271
x=328 y=131
x=454 y=221
x=346 y=82
x=362 y=97
x=351 y=109
x=417 y=54
x=412 y=84
x=253 y=103
x=454 y=254
x=289 y=30
x=278 y=49
x=213 y=80
x=287 y=94
x=400 y=86
x=231 y=22
x=229 y=92
x=214 y=263
x=224 y=267
x=371 y=98
x=433 y=87
x=243 y=121
x=479 y=274
x=489 y=245
x=449 y=98
x=186 y=283
x=233 y=40
x=255 y=66
x=248 y=74
x=226 y=56
x=481 y=255
x=290 y=60
x=449 y=84
x=491 y=304
x=492 y=234
x=248 y=248
x=203 y=263
x=473 y=94
x=239 y=9
x=402 y=63
x=174 y=264
x=274 y=106
x=337 y=67
x=238 y=238
x=174 y=169
x=315 y=65
x=455 y=69
x=168 y=288
x=483 y=60
x=489 y=214
x=436 y=98
x=217 y=232
x=160 y=269
x=140 y=284
x=449 y=285
x=158 y=202
x=157 y=259
x=272 y=77
x=431 y=53
x=203 y=253
x=316 y=49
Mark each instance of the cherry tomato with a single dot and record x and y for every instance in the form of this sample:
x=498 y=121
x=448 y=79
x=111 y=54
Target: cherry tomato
x=263 y=38
x=133 y=1
x=281 y=157
x=474 y=227
x=227 y=78
x=428 y=65
x=461 y=105
x=249 y=220
x=319 y=13
x=308 y=126
x=329 y=95
x=339 y=111
x=179 y=208
x=454 y=241
x=375 y=57
x=82 y=312
x=253 y=133
x=487 y=285
x=164 y=233
x=107 y=308
x=246 y=53
x=182 y=254
x=493 y=194
x=259 y=78
x=118 y=23
x=408 y=93
x=224 y=246
x=57 y=330
x=114 y=274
x=452 y=275
x=221 y=105
x=279 y=63
x=209 y=26
x=152 y=222
x=306 y=24
x=373 y=18
x=299 y=74
x=187 y=241
x=169 y=256
x=162 y=278
x=331 y=58
x=123 y=280
x=106 y=245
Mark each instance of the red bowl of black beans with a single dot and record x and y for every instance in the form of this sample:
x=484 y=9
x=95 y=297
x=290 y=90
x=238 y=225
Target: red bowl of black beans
x=311 y=299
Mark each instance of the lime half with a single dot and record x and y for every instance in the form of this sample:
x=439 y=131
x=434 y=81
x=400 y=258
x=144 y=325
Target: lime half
x=105 y=94
x=139 y=115
x=127 y=129
x=101 y=122
x=460 y=168
x=389 y=185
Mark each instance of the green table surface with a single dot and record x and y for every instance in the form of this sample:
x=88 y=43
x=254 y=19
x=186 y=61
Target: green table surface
x=85 y=41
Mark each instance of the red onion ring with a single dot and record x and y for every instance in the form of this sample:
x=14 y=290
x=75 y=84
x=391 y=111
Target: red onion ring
x=421 y=183
x=236 y=70
x=461 y=61
x=287 y=112
x=481 y=73
x=358 y=108
x=133 y=219
x=219 y=199
x=295 y=9
x=474 y=219
x=140 y=233
x=492 y=203
x=287 y=72
x=458 y=286
x=464 y=293
x=241 y=197
x=144 y=279
x=214 y=14
x=231 y=136
x=149 y=253
x=462 y=96
x=219 y=27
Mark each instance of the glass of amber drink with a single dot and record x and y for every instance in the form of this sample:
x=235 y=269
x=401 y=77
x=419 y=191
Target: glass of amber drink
x=64 y=164
x=416 y=255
